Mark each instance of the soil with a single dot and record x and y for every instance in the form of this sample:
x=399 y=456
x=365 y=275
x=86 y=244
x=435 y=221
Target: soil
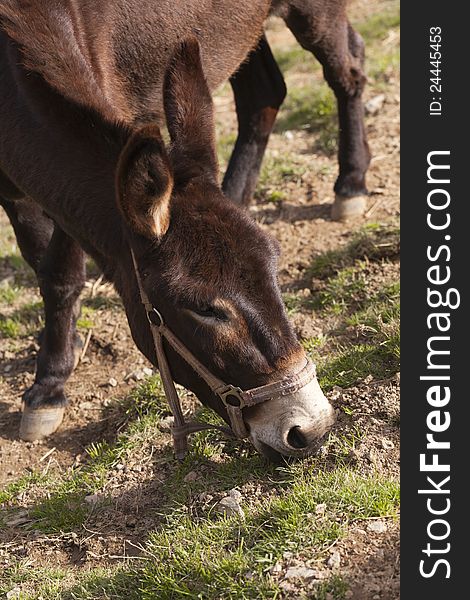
x=301 y=223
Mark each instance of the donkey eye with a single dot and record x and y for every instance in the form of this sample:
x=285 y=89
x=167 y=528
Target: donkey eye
x=211 y=312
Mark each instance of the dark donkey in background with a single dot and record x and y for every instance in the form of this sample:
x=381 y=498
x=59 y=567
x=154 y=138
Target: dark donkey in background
x=83 y=168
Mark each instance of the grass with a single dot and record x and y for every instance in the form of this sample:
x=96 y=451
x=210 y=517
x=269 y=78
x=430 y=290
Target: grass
x=314 y=110
x=225 y=144
x=23 y=321
x=194 y=551
x=278 y=169
x=373 y=242
x=377 y=26
x=211 y=556
x=12 y=490
x=364 y=315
x=9 y=293
x=295 y=58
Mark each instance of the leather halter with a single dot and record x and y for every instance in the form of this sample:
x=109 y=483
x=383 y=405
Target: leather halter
x=233 y=398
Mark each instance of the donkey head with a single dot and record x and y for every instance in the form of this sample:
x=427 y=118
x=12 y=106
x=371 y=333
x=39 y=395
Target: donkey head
x=210 y=270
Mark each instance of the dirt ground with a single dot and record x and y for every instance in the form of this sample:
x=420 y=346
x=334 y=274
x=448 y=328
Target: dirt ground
x=111 y=364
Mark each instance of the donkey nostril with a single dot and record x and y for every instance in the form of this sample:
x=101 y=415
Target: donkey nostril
x=296 y=439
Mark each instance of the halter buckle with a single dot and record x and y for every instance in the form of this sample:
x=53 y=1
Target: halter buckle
x=231 y=396
x=154 y=317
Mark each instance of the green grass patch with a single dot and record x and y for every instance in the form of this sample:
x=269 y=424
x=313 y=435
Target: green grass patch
x=348 y=288
x=9 y=293
x=87 y=316
x=65 y=510
x=10 y=328
x=334 y=588
x=380 y=66
x=12 y=490
x=101 y=302
x=314 y=110
x=43 y=583
x=350 y=364
x=225 y=144
x=23 y=321
x=373 y=242
x=148 y=400
x=380 y=322
x=295 y=58
x=194 y=551
x=377 y=26
x=275 y=172
x=211 y=556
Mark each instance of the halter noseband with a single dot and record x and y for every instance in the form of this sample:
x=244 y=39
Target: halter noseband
x=233 y=398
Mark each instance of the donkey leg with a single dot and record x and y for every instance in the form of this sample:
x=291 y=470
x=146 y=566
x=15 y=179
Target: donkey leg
x=259 y=91
x=340 y=50
x=61 y=276
x=33 y=230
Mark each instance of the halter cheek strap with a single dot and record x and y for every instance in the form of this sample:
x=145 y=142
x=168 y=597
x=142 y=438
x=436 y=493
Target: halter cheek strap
x=233 y=398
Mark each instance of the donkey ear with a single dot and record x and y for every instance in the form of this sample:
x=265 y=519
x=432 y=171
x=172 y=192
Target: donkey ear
x=189 y=113
x=144 y=183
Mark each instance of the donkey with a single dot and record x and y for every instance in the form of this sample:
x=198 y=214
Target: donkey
x=84 y=168
x=122 y=68
x=321 y=27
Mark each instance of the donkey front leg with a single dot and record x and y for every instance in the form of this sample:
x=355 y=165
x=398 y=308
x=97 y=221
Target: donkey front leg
x=340 y=50
x=61 y=276
x=259 y=91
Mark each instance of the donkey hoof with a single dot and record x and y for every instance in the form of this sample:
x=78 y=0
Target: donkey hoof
x=38 y=423
x=345 y=208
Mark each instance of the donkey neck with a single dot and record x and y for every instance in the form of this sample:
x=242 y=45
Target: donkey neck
x=62 y=156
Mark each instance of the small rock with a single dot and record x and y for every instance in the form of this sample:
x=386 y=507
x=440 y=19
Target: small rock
x=235 y=494
x=387 y=444
x=373 y=106
x=336 y=392
x=334 y=561
x=13 y=593
x=320 y=508
x=131 y=376
x=205 y=497
x=377 y=526
x=303 y=573
x=166 y=424
x=229 y=506
x=92 y=499
x=276 y=568
x=287 y=555
x=289 y=135
x=87 y=405
x=147 y=371
x=191 y=476
x=112 y=382
x=286 y=586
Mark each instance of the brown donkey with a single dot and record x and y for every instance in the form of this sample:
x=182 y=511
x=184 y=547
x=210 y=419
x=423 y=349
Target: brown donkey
x=84 y=168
